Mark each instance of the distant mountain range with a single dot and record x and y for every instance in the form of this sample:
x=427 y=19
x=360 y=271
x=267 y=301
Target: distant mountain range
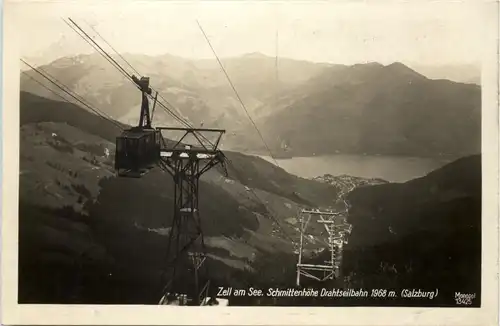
x=461 y=73
x=301 y=108
x=198 y=88
x=376 y=109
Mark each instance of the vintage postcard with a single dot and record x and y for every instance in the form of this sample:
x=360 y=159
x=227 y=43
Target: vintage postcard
x=250 y=162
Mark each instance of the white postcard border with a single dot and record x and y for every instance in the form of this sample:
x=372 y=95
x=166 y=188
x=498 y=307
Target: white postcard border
x=15 y=314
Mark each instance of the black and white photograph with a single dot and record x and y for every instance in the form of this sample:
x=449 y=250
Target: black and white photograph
x=250 y=154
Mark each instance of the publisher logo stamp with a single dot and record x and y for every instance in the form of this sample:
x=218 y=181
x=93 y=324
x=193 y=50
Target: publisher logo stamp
x=464 y=299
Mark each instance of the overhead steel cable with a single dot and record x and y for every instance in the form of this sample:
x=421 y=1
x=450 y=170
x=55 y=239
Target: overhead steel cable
x=132 y=67
x=237 y=94
x=65 y=99
x=244 y=108
x=99 y=50
x=46 y=87
x=103 y=51
x=227 y=160
x=169 y=104
x=122 y=70
x=95 y=110
x=121 y=56
x=136 y=71
x=79 y=31
x=115 y=64
x=70 y=91
x=134 y=80
x=164 y=107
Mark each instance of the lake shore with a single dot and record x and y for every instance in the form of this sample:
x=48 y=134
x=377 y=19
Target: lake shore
x=390 y=168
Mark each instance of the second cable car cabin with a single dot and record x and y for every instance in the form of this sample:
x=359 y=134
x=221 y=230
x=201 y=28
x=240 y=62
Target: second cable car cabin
x=137 y=151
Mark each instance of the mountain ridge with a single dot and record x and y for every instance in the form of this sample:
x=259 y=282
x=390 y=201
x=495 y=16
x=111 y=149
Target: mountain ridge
x=203 y=96
x=425 y=233
x=400 y=112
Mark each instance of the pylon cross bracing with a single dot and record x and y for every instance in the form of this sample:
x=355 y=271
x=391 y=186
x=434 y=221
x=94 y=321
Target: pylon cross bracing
x=336 y=229
x=186 y=250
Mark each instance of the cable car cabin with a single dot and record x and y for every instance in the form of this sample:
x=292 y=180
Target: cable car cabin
x=137 y=151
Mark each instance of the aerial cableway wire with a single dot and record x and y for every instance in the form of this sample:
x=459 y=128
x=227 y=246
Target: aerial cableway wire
x=115 y=64
x=172 y=107
x=261 y=201
x=65 y=99
x=227 y=160
x=237 y=94
x=127 y=62
x=82 y=100
x=80 y=32
x=62 y=97
x=89 y=39
x=121 y=56
x=135 y=70
x=138 y=73
x=67 y=91
x=120 y=127
x=247 y=113
x=47 y=88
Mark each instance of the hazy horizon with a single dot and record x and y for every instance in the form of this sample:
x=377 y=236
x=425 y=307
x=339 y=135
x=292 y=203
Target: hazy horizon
x=430 y=34
x=126 y=54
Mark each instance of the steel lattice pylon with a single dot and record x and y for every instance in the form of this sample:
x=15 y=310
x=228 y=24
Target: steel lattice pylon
x=336 y=230
x=186 y=250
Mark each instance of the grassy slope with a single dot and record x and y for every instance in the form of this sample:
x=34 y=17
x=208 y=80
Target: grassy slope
x=428 y=229
x=106 y=253
x=38 y=109
x=423 y=234
x=71 y=202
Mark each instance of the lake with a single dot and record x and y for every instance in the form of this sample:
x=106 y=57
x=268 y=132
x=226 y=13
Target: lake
x=390 y=168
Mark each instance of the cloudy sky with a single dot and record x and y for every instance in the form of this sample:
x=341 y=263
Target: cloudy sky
x=338 y=32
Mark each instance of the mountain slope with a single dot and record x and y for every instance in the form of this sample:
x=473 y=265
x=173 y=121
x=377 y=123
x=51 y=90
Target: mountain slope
x=35 y=109
x=378 y=109
x=197 y=87
x=423 y=234
x=465 y=73
x=75 y=214
x=89 y=237
x=364 y=108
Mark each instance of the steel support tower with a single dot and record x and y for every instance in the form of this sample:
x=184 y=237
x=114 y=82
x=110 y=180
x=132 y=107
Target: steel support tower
x=336 y=230
x=186 y=272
